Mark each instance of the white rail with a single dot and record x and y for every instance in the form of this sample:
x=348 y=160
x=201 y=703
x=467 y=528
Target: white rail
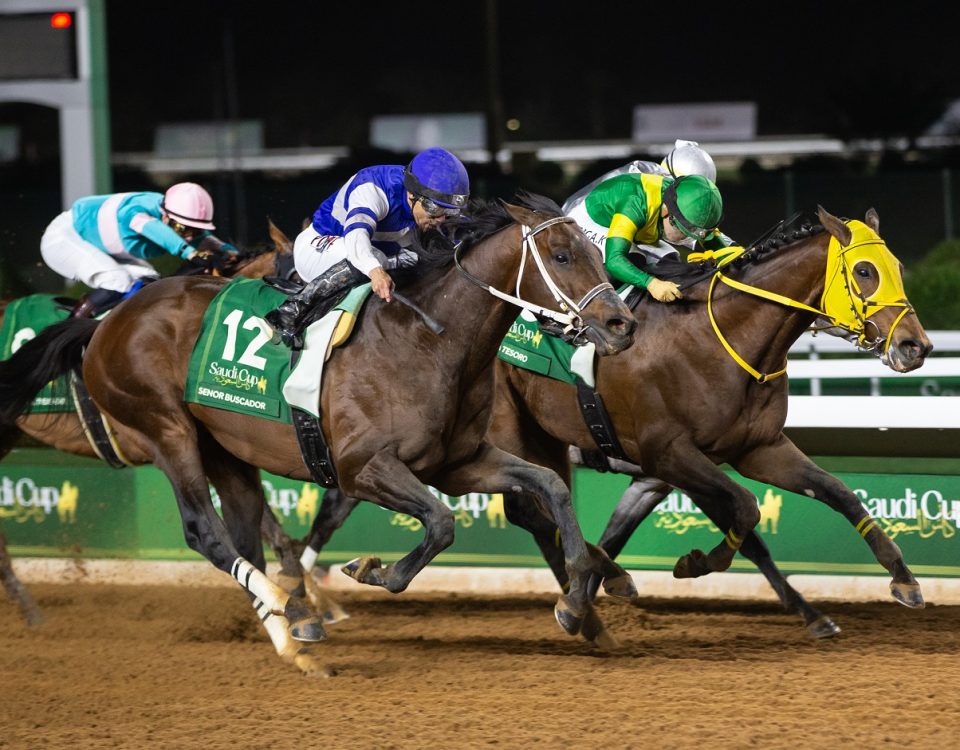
x=873 y=411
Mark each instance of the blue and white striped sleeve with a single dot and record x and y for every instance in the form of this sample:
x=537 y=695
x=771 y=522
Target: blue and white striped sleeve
x=367 y=205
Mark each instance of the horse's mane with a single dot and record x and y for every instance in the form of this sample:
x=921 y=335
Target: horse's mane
x=480 y=219
x=783 y=234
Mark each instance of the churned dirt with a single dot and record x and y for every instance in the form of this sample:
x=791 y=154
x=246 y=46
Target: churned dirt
x=164 y=667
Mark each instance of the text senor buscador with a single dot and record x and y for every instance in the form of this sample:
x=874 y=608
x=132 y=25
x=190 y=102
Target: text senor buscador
x=230 y=398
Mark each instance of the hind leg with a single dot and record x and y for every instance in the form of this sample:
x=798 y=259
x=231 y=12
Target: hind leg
x=286 y=549
x=15 y=588
x=176 y=453
x=784 y=465
x=335 y=507
x=297 y=559
x=242 y=502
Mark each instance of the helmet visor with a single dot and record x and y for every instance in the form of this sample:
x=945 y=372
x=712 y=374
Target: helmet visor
x=691 y=231
x=434 y=209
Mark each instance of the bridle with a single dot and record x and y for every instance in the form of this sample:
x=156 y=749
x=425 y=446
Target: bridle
x=567 y=323
x=842 y=303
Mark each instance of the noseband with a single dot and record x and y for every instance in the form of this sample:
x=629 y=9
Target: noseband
x=567 y=323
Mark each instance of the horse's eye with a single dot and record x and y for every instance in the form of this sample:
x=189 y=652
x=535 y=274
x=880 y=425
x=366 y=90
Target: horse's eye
x=863 y=272
x=561 y=258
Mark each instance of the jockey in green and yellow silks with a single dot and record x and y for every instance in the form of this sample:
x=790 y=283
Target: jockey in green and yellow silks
x=641 y=211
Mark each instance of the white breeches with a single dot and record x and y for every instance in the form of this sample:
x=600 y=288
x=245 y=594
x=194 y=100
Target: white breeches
x=71 y=256
x=314 y=253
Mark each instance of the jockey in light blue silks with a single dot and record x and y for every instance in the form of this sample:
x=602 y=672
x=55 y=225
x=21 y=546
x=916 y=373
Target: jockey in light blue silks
x=369 y=226
x=105 y=241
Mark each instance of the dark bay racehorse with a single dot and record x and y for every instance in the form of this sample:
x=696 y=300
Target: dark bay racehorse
x=681 y=404
x=64 y=431
x=401 y=406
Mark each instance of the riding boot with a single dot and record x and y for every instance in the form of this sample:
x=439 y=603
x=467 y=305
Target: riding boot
x=95 y=302
x=288 y=319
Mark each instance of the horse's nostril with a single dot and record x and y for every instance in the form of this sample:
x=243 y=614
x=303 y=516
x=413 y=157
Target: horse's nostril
x=914 y=349
x=619 y=326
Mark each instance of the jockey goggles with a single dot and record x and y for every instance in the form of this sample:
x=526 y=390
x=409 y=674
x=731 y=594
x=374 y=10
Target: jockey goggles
x=182 y=229
x=696 y=233
x=434 y=209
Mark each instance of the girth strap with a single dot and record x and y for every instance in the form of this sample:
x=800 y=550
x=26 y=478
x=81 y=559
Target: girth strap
x=94 y=425
x=313 y=446
x=598 y=421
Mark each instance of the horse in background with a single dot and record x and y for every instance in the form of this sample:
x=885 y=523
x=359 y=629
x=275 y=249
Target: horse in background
x=64 y=430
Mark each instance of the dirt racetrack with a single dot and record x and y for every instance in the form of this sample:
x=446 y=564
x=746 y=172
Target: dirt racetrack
x=164 y=667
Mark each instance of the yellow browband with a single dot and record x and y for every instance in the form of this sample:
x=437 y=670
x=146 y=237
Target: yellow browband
x=842 y=301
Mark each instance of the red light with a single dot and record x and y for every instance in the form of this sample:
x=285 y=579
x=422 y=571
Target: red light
x=61 y=21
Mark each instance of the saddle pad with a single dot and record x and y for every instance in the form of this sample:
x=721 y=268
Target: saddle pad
x=302 y=387
x=234 y=364
x=23 y=319
x=527 y=347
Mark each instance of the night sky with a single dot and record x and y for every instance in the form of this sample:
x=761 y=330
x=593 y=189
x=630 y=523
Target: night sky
x=315 y=72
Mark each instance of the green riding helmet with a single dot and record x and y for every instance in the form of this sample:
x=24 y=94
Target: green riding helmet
x=695 y=206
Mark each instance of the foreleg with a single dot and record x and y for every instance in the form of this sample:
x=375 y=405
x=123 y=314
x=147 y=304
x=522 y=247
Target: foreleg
x=684 y=466
x=783 y=465
x=493 y=470
x=387 y=481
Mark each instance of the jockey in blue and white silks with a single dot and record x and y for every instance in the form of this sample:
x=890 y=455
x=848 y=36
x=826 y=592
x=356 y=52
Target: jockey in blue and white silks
x=105 y=241
x=370 y=226
x=371 y=213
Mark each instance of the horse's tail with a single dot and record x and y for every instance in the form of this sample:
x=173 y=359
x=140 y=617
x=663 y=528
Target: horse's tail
x=52 y=353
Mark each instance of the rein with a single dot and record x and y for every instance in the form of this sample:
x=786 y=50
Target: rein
x=846 y=309
x=568 y=323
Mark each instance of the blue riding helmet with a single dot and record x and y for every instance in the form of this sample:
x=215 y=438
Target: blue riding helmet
x=440 y=176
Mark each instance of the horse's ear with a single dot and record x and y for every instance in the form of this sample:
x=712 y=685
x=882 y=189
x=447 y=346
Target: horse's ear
x=280 y=240
x=520 y=215
x=305 y=224
x=833 y=225
x=873 y=220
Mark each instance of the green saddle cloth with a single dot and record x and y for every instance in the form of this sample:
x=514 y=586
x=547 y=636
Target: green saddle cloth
x=234 y=364
x=23 y=319
x=527 y=347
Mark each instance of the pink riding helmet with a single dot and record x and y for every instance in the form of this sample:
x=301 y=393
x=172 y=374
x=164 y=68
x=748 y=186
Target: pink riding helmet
x=190 y=205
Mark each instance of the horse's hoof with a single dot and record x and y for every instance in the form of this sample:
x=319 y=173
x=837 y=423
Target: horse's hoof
x=569 y=620
x=620 y=586
x=908 y=594
x=309 y=630
x=307 y=663
x=333 y=616
x=823 y=627
x=596 y=632
x=33 y=617
x=360 y=567
x=691 y=565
